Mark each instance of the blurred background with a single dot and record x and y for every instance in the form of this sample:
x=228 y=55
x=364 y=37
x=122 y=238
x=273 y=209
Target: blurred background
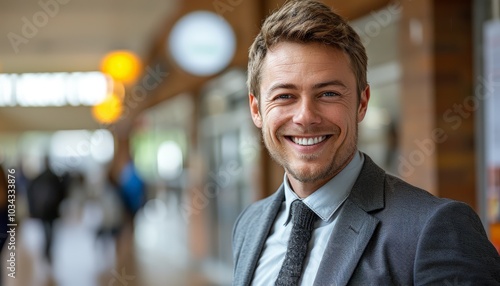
x=126 y=136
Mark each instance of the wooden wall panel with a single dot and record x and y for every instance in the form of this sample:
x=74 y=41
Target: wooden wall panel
x=436 y=55
x=417 y=163
x=454 y=99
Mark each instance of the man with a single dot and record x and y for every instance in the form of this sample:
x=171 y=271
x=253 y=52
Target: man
x=45 y=194
x=360 y=226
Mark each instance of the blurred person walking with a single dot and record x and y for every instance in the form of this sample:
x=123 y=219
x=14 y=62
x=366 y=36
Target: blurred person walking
x=45 y=194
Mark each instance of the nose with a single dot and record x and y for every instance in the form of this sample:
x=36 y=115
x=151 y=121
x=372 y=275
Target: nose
x=306 y=113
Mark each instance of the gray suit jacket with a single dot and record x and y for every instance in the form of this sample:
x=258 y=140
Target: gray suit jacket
x=388 y=233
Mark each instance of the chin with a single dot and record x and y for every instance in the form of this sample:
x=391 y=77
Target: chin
x=307 y=174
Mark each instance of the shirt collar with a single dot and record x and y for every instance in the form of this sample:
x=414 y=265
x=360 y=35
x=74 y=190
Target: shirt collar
x=328 y=198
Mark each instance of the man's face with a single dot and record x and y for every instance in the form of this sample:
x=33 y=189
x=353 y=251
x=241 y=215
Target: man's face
x=308 y=111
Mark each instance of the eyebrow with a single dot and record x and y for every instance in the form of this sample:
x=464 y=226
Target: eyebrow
x=329 y=83
x=316 y=86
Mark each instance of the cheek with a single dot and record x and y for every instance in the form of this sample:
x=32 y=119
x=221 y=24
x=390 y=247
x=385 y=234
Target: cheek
x=334 y=113
x=343 y=118
x=275 y=118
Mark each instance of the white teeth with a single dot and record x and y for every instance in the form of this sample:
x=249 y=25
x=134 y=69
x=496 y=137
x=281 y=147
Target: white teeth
x=308 y=141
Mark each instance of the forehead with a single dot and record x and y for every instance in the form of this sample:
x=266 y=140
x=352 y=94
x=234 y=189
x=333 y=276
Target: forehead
x=307 y=63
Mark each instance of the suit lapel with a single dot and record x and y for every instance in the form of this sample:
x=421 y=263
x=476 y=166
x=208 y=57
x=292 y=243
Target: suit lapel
x=257 y=238
x=346 y=245
x=355 y=226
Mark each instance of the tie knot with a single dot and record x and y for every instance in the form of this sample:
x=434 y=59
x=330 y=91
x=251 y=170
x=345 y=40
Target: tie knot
x=302 y=215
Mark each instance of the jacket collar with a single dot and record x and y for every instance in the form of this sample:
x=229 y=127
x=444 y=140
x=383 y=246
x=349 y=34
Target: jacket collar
x=368 y=191
x=355 y=227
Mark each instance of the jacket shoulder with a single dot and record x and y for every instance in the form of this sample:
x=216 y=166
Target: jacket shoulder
x=249 y=216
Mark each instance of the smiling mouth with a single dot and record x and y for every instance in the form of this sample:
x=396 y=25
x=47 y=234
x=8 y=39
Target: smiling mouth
x=308 y=141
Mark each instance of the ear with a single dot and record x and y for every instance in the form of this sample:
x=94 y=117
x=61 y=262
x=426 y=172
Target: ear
x=363 y=103
x=254 y=110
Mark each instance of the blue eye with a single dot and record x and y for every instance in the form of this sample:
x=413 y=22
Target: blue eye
x=283 y=96
x=330 y=94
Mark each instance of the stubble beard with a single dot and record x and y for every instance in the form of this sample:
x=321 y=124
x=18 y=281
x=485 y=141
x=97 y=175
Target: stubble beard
x=335 y=165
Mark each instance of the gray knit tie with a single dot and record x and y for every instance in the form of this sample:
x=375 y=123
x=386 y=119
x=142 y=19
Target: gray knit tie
x=303 y=225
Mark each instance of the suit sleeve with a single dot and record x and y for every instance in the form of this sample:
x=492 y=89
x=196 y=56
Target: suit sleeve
x=239 y=230
x=453 y=249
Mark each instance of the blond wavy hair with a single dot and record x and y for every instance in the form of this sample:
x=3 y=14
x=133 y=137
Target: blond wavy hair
x=306 y=21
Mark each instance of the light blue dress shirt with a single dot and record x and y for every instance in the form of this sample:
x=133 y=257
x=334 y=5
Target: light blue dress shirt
x=325 y=202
